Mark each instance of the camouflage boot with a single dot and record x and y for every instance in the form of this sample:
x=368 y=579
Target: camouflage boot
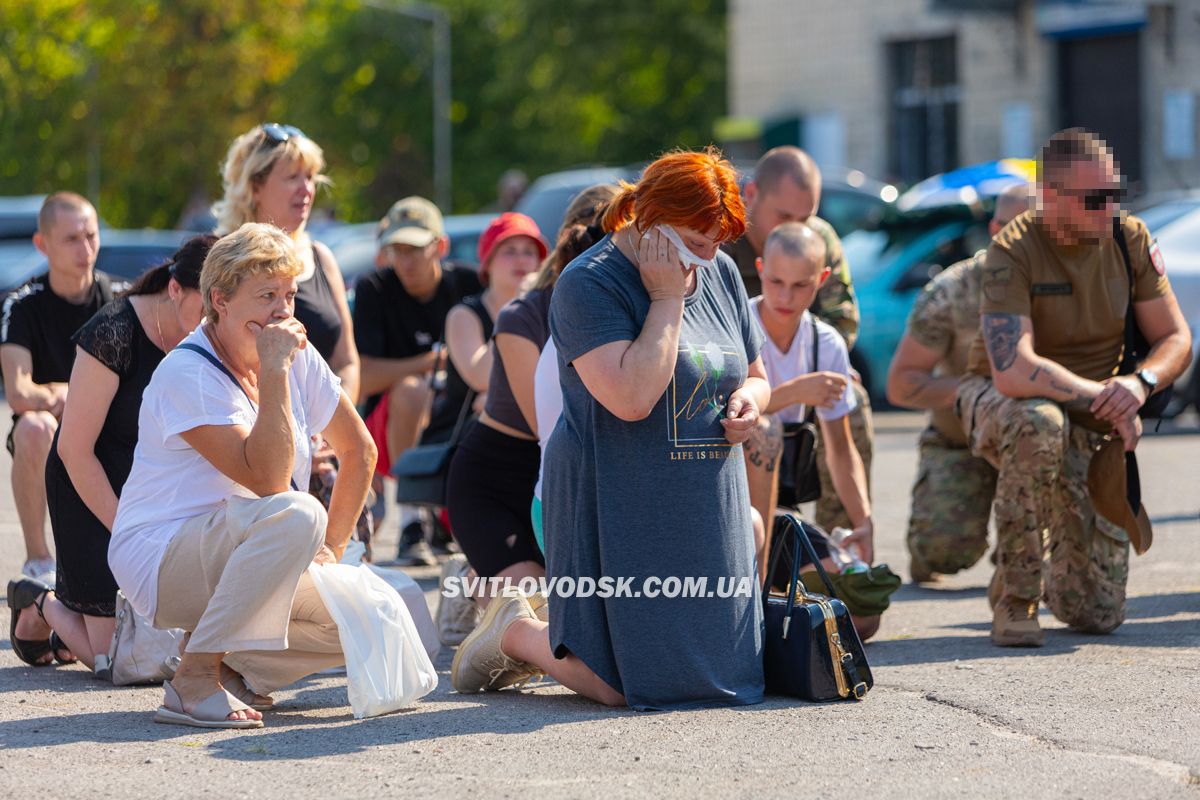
x=1015 y=624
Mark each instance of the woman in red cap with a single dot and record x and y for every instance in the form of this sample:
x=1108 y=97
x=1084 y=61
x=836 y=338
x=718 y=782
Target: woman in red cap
x=495 y=466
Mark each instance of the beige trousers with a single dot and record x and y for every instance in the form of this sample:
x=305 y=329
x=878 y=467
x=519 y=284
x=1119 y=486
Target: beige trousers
x=237 y=580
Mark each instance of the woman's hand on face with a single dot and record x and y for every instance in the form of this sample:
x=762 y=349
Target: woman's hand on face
x=820 y=389
x=279 y=342
x=741 y=417
x=662 y=273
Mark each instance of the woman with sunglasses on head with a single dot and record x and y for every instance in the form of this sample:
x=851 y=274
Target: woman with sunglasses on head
x=662 y=381
x=271 y=174
x=116 y=353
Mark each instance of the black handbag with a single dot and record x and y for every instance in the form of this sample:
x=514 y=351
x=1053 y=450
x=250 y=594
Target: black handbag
x=799 y=479
x=811 y=649
x=421 y=471
x=1136 y=346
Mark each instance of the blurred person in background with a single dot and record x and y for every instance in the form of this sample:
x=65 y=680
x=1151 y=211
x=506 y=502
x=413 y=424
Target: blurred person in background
x=271 y=174
x=399 y=322
x=36 y=354
x=116 y=353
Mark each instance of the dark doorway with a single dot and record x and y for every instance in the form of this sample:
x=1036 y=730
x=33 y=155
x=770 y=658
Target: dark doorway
x=1099 y=88
x=923 y=108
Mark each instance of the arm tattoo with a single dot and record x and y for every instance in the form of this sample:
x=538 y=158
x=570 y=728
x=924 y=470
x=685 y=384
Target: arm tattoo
x=1036 y=371
x=765 y=444
x=1000 y=334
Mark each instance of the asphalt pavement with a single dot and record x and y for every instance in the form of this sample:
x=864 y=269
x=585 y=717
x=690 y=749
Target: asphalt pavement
x=950 y=715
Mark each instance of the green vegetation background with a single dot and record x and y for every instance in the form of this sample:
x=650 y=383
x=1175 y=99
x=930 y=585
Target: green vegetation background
x=158 y=90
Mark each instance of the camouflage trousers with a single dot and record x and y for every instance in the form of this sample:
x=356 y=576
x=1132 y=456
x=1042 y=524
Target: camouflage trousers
x=829 y=512
x=951 y=505
x=1051 y=541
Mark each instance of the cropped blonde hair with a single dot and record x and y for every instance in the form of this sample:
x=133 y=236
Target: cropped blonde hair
x=255 y=249
x=247 y=164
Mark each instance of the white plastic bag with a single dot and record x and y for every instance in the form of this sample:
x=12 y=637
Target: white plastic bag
x=386 y=664
x=410 y=592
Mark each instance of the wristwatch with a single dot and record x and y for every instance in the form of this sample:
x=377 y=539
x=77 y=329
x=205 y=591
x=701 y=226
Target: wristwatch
x=1148 y=379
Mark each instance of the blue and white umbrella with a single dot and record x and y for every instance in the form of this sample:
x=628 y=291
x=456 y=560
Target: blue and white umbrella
x=967 y=185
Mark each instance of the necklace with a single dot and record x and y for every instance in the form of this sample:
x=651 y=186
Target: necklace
x=158 y=324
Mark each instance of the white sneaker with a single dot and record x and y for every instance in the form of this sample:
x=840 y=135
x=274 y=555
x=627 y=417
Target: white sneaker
x=456 y=616
x=479 y=664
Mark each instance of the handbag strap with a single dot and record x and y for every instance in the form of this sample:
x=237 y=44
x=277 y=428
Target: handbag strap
x=216 y=362
x=1129 y=357
x=799 y=530
x=811 y=414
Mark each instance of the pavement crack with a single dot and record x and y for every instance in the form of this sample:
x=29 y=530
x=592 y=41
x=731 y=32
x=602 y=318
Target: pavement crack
x=1171 y=770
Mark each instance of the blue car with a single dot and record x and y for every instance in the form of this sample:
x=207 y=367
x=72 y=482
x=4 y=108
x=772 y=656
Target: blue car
x=890 y=264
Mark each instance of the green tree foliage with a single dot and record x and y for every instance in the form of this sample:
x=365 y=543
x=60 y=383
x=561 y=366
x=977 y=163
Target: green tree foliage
x=154 y=91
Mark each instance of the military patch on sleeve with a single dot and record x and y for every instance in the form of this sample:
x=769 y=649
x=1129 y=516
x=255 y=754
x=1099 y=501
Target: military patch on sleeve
x=1156 y=258
x=995 y=283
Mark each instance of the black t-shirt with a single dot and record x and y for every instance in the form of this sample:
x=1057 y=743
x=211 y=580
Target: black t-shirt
x=37 y=319
x=317 y=310
x=390 y=323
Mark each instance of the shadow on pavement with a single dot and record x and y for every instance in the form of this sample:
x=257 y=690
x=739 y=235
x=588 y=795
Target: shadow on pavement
x=1145 y=626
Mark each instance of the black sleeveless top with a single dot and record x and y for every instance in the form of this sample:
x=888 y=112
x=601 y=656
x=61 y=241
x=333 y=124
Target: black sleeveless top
x=317 y=310
x=449 y=400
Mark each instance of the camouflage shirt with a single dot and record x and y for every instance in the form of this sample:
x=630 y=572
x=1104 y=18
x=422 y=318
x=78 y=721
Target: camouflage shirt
x=945 y=319
x=834 y=304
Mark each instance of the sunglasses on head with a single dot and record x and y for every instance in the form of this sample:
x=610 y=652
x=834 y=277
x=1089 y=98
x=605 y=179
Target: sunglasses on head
x=277 y=134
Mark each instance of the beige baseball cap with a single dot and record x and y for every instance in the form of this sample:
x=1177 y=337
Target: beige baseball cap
x=413 y=221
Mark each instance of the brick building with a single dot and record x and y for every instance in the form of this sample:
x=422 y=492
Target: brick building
x=902 y=89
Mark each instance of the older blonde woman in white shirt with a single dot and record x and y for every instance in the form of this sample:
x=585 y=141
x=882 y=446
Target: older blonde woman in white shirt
x=208 y=537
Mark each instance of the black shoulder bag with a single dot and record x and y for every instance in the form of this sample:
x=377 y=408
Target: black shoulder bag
x=1136 y=347
x=421 y=471
x=799 y=479
x=811 y=649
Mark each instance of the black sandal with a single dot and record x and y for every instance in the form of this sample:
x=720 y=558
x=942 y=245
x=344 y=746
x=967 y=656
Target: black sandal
x=22 y=594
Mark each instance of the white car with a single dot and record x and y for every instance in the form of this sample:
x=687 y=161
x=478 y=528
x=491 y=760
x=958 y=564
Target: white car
x=1176 y=226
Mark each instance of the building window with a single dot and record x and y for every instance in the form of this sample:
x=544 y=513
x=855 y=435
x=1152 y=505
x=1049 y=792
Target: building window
x=923 y=115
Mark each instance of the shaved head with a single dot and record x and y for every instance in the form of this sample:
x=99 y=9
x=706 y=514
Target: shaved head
x=786 y=162
x=57 y=202
x=796 y=240
x=1014 y=200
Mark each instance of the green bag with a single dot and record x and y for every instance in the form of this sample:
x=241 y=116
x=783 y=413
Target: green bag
x=865 y=593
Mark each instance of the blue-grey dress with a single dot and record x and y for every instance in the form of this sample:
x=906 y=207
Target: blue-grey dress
x=662 y=498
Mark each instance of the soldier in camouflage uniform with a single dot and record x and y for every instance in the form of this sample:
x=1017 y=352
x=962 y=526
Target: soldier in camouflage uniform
x=952 y=497
x=1044 y=402
x=786 y=187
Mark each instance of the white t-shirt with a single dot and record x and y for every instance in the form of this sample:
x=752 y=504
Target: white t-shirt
x=171 y=483
x=784 y=365
x=547 y=398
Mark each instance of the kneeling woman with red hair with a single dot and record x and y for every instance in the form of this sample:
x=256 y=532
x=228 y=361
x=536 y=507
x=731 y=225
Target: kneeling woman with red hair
x=644 y=482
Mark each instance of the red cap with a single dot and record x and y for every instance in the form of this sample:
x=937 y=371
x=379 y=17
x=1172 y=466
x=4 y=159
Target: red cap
x=503 y=227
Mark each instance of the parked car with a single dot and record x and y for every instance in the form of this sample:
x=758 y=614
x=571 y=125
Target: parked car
x=891 y=263
x=19 y=216
x=124 y=255
x=355 y=246
x=1175 y=223
x=849 y=199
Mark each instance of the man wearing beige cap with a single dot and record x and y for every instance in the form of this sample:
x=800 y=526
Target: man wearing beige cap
x=399 y=311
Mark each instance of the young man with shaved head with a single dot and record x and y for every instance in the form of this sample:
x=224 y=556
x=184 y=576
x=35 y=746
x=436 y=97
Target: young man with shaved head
x=1047 y=401
x=36 y=353
x=952 y=498
x=786 y=187
x=792 y=270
